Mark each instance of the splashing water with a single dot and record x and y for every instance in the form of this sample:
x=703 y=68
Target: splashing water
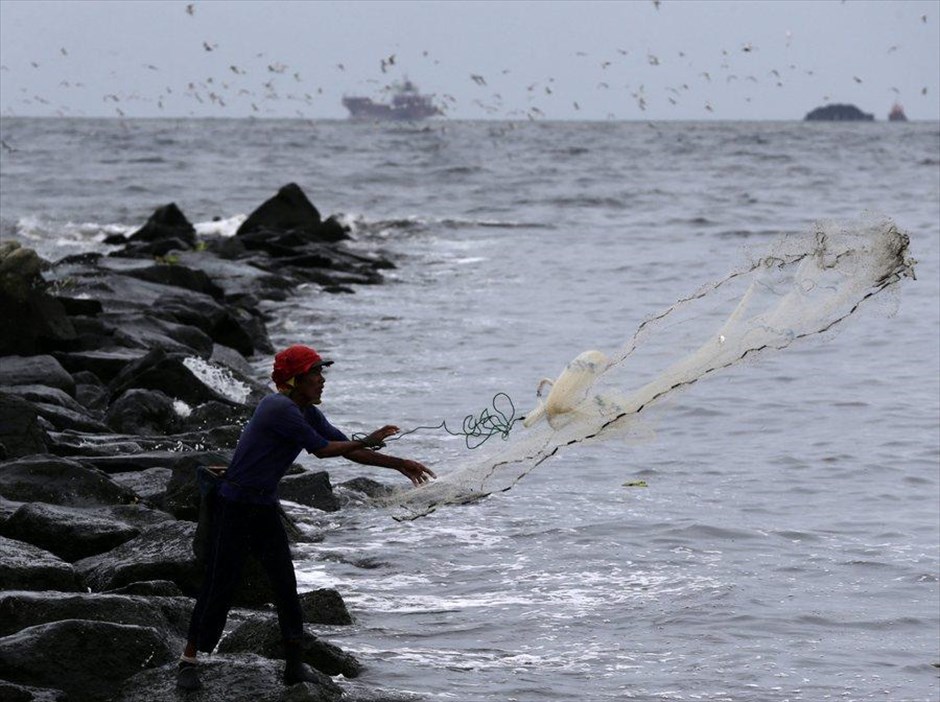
x=219 y=379
x=803 y=286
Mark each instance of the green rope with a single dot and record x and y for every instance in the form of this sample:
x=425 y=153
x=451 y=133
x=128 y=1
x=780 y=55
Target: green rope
x=476 y=429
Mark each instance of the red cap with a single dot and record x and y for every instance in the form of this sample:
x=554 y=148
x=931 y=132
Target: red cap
x=293 y=361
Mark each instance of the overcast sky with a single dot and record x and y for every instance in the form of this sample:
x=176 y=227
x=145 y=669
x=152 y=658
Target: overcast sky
x=635 y=60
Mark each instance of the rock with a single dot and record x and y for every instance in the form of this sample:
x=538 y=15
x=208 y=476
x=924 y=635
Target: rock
x=146 y=460
x=149 y=485
x=47 y=395
x=21 y=610
x=167 y=223
x=161 y=552
x=178 y=276
x=26 y=567
x=182 y=493
x=88 y=660
x=80 y=306
x=35 y=370
x=290 y=211
x=65 y=419
x=310 y=489
x=221 y=324
x=168 y=374
x=67 y=532
x=152 y=588
x=21 y=433
x=369 y=487
x=104 y=363
x=263 y=636
x=324 y=606
x=30 y=320
x=229 y=678
x=231 y=358
x=838 y=113
x=59 y=481
x=10 y=692
x=144 y=412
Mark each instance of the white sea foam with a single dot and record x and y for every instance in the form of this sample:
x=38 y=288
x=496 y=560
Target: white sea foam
x=219 y=379
x=220 y=227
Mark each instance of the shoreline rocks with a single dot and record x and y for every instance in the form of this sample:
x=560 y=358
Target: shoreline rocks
x=119 y=376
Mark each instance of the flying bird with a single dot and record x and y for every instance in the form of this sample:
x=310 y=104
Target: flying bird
x=479 y=80
x=856 y=79
x=190 y=9
x=207 y=46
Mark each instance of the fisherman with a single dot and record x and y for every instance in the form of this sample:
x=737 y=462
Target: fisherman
x=245 y=517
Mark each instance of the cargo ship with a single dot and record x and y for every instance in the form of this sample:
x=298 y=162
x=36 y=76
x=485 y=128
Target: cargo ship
x=407 y=105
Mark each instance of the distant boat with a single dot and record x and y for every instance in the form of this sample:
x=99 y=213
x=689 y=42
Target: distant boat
x=407 y=105
x=897 y=114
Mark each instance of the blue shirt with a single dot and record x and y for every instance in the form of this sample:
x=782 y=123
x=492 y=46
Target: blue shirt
x=270 y=443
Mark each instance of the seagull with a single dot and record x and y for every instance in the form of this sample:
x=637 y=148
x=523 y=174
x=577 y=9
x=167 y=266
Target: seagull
x=7 y=146
x=190 y=9
x=63 y=51
x=654 y=61
x=207 y=46
x=856 y=79
x=479 y=80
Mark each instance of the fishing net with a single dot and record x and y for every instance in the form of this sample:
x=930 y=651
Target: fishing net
x=800 y=287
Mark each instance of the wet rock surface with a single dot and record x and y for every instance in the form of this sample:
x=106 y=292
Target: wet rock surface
x=120 y=375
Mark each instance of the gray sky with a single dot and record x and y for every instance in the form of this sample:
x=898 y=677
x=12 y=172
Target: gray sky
x=635 y=60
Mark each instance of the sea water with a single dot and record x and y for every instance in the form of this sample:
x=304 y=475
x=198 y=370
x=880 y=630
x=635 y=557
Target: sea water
x=779 y=536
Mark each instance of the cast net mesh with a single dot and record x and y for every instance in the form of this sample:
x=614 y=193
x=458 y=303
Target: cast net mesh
x=800 y=287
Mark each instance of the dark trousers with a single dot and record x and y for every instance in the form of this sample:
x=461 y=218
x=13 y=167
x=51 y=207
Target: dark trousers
x=237 y=530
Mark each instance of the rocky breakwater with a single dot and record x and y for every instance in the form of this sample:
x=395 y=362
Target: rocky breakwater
x=120 y=375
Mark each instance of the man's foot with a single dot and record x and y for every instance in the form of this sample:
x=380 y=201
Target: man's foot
x=187 y=677
x=297 y=672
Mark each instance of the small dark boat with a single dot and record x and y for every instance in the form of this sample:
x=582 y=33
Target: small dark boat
x=897 y=114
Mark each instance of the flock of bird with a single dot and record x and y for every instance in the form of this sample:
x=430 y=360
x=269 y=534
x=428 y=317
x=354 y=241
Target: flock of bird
x=239 y=85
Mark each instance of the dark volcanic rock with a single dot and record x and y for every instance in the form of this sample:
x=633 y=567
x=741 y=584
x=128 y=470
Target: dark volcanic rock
x=21 y=432
x=35 y=370
x=152 y=588
x=263 y=636
x=178 y=276
x=290 y=211
x=324 y=606
x=26 y=567
x=145 y=412
x=838 y=113
x=105 y=363
x=310 y=489
x=231 y=678
x=167 y=223
x=21 y=610
x=10 y=692
x=161 y=552
x=67 y=532
x=87 y=660
x=168 y=374
x=60 y=481
x=31 y=320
